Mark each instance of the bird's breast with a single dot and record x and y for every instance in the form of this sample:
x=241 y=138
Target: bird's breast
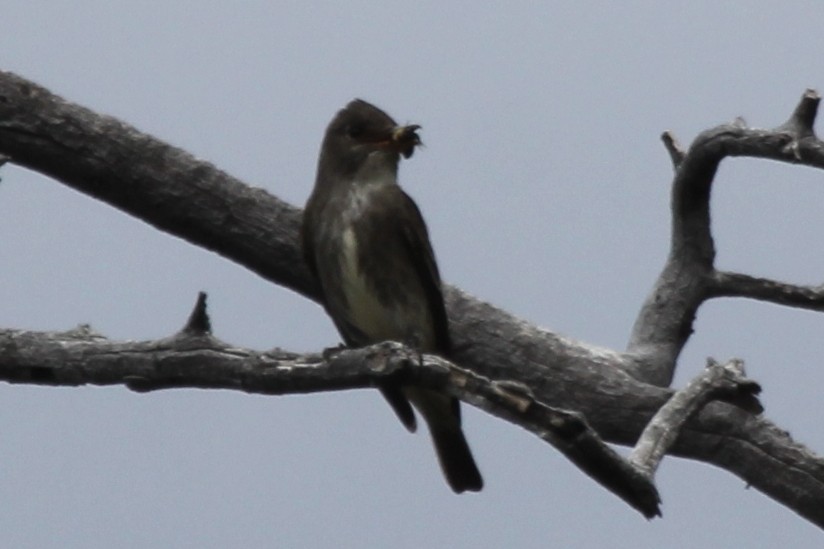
x=383 y=299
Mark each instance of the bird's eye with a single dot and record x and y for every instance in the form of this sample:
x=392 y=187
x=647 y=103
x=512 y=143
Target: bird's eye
x=354 y=131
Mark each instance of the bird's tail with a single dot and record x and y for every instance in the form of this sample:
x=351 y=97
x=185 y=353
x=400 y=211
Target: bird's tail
x=456 y=460
x=443 y=416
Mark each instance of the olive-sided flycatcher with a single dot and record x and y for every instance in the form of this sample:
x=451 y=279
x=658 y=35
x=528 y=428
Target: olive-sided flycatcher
x=367 y=244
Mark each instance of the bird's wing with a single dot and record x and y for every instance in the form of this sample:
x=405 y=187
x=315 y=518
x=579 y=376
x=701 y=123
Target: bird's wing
x=412 y=237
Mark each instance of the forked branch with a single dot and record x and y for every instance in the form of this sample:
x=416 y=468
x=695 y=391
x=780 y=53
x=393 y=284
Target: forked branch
x=617 y=393
x=689 y=277
x=193 y=358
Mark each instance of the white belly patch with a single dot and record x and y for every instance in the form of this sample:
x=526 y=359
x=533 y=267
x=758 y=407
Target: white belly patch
x=365 y=311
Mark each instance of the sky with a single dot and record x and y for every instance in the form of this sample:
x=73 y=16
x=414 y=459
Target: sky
x=545 y=187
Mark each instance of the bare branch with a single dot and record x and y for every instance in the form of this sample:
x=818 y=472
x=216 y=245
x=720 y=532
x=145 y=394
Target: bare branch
x=197 y=360
x=115 y=163
x=665 y=321
x=674 y=148
x=193 y=200
x=725 y=381
x=198 y=323
x=727 y=284
x=800 y=124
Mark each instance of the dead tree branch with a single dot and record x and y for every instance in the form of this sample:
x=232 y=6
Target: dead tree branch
x=718 y=381
x=193 y=358
x=689 y=277
x=618 y=393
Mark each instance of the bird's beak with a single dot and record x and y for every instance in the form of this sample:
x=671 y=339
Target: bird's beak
x=405 y=138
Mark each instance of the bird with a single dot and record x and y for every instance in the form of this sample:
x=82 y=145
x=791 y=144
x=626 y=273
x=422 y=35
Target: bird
x=365 y=241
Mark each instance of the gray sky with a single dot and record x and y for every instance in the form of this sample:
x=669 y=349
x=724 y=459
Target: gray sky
x=546 y=189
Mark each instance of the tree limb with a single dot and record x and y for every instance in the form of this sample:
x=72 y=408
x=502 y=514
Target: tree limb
x=725 y=284
x=724 y=381
x=196 y=359
x=617 y=393
x=689 y=277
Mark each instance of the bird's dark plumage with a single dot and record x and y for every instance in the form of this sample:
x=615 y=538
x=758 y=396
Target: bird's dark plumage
x=366 y=242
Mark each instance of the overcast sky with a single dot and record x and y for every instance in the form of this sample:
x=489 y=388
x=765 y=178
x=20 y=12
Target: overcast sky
x=545 y=187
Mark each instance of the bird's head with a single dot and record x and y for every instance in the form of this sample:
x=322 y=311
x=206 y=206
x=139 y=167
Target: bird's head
x=361 y=129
